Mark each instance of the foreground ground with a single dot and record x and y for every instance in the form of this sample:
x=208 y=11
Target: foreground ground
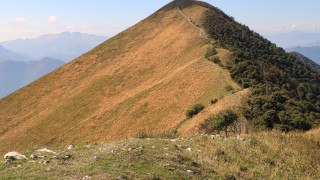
x=269 y=155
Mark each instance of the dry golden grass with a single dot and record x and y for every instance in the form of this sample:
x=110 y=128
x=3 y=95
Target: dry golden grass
x=233 y=101
x=264 y=155
x=143 y=79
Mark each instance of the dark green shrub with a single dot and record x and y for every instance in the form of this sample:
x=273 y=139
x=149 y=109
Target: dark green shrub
x=229 y=88
x=194 y=110
x=216 y=60
x=270 y=118
x=214 y=101
x=211 y=52
x=274 y=76
x=223 y=120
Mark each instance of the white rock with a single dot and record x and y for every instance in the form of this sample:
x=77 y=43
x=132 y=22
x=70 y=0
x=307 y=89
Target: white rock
x=129 y=149
x=153 y=147
x=190 y=172
x=19 y=166
x=70 y=147
x=33 y=156
x=14 y=156
x=46 y=150
x=166 y=148
x=113 y=151
x=173 y=140
x=240 y=138
x=86 y=177
x=189 y=149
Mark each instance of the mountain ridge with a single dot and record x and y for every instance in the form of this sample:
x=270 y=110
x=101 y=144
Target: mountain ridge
x=138 y=81
x=144 y=79
x=6 y=55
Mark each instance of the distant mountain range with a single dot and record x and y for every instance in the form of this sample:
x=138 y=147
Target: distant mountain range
x=65 y=46
x=24 y=61
x=144 y=80
x=17 y=74
x=306 y=60
x=294 y=39
x=6 y=54
x=312 y=53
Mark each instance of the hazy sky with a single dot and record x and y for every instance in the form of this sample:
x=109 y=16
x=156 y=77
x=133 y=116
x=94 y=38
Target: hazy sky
x=31 y=18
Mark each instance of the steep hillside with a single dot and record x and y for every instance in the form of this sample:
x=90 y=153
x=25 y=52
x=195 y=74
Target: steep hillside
x=285 y=90
x=141 y=81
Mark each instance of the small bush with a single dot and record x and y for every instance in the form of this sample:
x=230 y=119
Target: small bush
x=223 y=120
x=143 y=135
x=216 y=60
x=214 y=101
x=211 y=52
x=229 y=88
x=194 y=110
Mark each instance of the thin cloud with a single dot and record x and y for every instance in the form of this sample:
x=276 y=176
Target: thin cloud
x=314 y=26
x=84 y=27
x=52 y=19
x=21 y=19
x=294 y=26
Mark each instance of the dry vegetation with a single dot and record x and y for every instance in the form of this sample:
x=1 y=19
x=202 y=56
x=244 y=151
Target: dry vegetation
x=267 y=155
x=143 y=79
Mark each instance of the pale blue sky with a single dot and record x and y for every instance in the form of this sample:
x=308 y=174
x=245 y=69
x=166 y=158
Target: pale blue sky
x=31 y=18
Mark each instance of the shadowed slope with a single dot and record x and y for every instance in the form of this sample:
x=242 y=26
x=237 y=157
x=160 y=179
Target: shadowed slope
x=142 y=80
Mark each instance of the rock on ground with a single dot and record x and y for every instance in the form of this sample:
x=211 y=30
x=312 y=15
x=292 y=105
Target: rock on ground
x=14 y=156
x=46 y=150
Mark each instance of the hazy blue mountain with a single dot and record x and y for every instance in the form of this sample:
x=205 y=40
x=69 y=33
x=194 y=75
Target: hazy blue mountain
x=17 y=74
x=315 y=43
x=11 y=76
x=306 y=60
x=6 y=54
x=312 y=53
x=65 y=46
x=293 y=39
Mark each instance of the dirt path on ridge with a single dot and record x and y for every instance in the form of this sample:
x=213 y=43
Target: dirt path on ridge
x=201 y=31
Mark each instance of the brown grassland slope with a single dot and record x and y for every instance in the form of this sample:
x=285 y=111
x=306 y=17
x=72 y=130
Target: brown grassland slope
x=142 y=80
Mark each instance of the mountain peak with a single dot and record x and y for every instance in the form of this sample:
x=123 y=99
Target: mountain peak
x=142 y=80
x=145 y=79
